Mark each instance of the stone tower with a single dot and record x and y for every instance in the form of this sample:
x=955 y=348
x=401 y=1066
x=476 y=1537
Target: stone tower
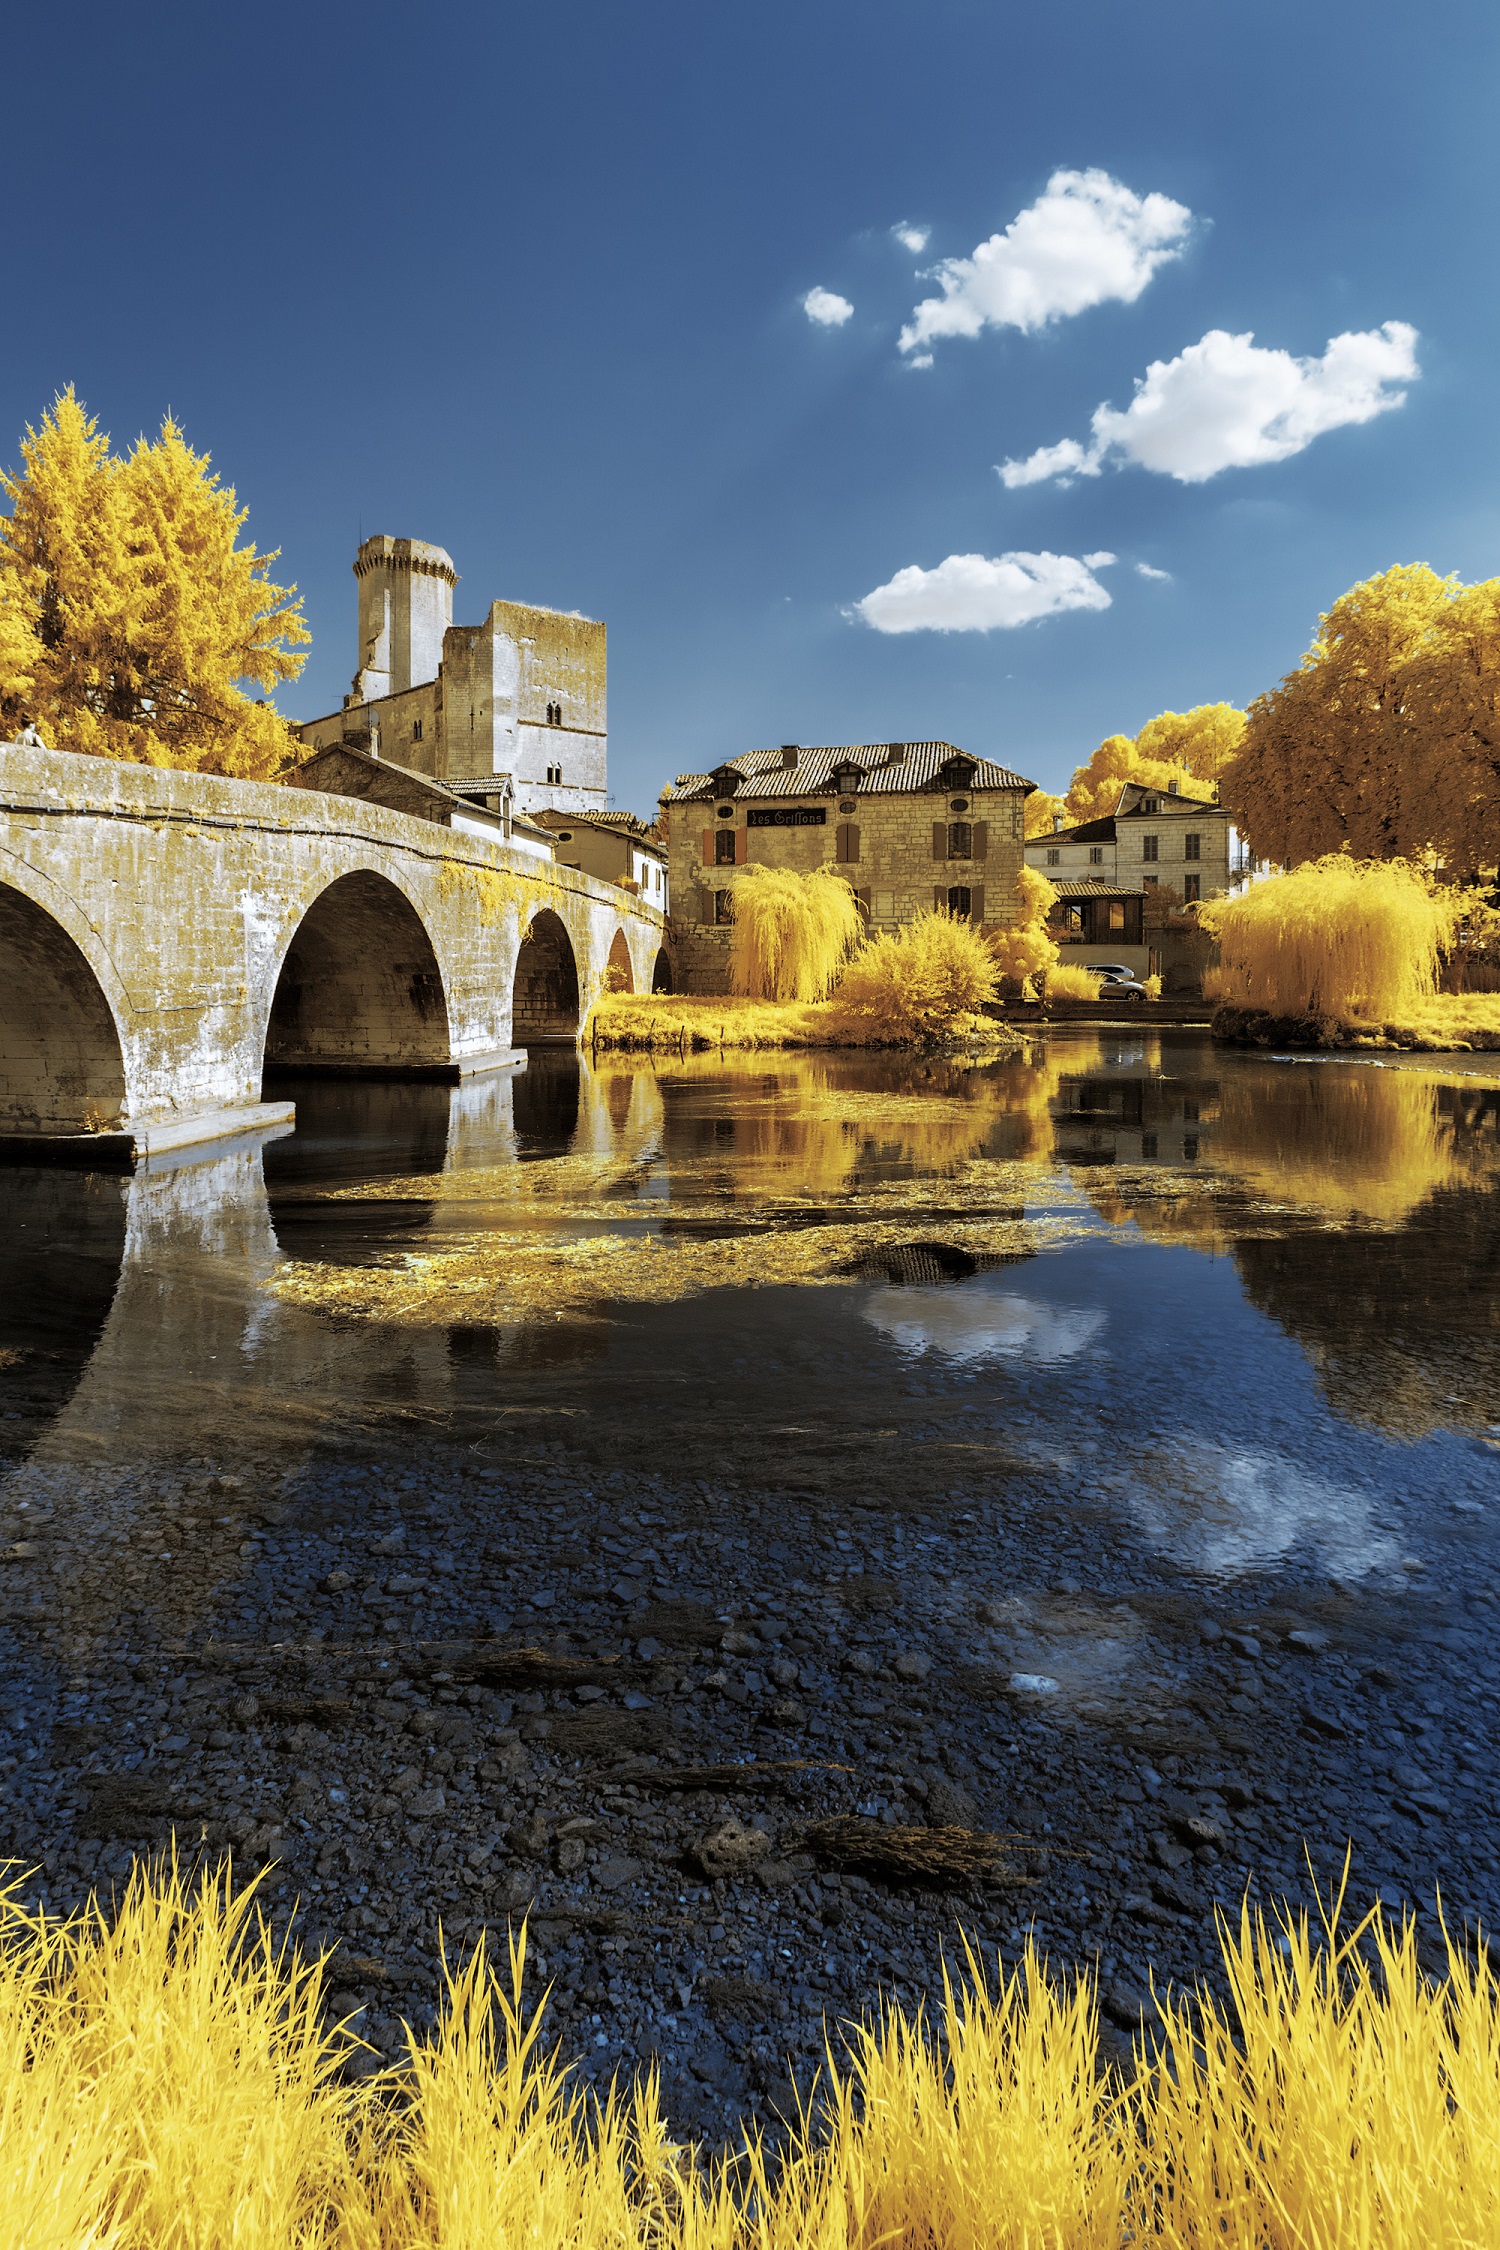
x=405 y=607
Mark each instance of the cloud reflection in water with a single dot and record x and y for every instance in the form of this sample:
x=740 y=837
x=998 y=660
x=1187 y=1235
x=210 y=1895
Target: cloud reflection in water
x=977 y=1322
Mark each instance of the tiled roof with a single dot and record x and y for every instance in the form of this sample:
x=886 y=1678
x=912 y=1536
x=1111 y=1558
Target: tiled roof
x=885 y=769
x=630 y=823
x=1166 y=802
x=1087 y=832
x=1089 y=886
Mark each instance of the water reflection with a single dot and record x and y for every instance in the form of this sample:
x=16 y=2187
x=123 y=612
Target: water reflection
x=983 y=1323
x=1222 y=1511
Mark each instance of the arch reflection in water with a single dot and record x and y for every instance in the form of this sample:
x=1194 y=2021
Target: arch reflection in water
x=62 y=1244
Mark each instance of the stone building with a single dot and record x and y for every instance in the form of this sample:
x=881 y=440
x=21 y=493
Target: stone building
x=517 y=702
x=344 y=770
x=618 y=847
x=1156 y=841
x=913 y=826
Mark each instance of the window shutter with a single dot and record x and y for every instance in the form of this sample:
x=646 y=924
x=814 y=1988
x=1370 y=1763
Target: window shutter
x=846 y=844
x=981 y=845
x=976 y=903
x=708 y=847
x=864 y=900
x=741 y=845
x=939 y=898
x=940 y=839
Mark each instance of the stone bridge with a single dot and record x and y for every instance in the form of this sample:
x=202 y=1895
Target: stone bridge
x=174 y=944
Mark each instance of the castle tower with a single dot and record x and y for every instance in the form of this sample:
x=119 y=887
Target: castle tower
x=405 y=607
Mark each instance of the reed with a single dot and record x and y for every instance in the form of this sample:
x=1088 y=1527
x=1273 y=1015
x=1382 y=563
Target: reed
x=1066 y=981
x=792 y=933
x=168 y=2082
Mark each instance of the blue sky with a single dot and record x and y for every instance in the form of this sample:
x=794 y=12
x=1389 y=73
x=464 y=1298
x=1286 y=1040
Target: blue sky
x=532 y=282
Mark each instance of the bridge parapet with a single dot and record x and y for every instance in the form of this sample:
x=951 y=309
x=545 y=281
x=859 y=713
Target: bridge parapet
x=172 y=943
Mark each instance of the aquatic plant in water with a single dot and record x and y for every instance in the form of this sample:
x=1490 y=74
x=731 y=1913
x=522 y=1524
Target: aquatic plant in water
x=169 y=2082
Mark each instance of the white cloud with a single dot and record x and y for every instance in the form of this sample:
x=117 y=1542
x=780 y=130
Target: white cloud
x=828 y=310
x=1146 y=571
x=912 y=238
x=978 y=593
x=1225 y=403
x=1085 y=241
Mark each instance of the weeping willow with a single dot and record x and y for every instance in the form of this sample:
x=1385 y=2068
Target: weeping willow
x=792 y=933
x=1346 y=938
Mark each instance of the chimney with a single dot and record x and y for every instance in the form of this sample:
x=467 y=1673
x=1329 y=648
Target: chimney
x=1057 y=821
x=790 y=753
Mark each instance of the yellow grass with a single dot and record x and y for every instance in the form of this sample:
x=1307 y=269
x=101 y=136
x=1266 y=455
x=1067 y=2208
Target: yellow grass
x=1066 y=981
x=1356 y=940
x=169 y=2083
x=792 y=933
x=674 y=1023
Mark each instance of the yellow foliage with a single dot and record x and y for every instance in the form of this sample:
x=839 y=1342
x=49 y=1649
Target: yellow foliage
x=1043 y=811
x=923 y=982
x=1338 y=937
x=792 y=933
x=1066 y=981
x=1153 y=987
x=1187 y=750
x=493 y=891
x=128 y=614
x=1386 y=739
x=168 y=2084
x=1027 y=949
x=680 y=1023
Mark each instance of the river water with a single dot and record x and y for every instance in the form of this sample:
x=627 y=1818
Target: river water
x=1070 y=1446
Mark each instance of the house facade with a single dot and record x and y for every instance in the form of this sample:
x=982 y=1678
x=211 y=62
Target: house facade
x=912 y=826
x=618 y=847
x=1124 y=882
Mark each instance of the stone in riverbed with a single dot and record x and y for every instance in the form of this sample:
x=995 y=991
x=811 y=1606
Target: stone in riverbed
x=731 y=1849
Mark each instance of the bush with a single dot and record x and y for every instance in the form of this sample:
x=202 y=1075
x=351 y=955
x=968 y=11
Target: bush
x=1027 y=949
x=1066 y=981
x=792 y=933
x=924 y=982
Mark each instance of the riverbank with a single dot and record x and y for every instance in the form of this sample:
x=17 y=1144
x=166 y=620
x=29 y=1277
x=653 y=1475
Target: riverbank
x=199 y=2073
x=683 y=1024
x=1452 y=1023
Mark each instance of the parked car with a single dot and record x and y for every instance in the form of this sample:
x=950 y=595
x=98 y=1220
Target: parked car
x=1118 y=981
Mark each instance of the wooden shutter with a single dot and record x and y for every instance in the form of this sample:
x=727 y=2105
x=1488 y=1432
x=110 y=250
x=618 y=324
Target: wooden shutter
x=708 y=847
x=940 y=839
x=939 y=898
x=741 y=845
x=976 y=903
x=981 y=844
x=864 y=900
x=846 y=843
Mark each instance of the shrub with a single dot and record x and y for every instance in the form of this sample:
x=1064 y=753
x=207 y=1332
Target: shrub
x=792 y=933
x=1065 y=980
x=921 y=983
x=1153 y=987
x=1027 y=949
x=1336 y=937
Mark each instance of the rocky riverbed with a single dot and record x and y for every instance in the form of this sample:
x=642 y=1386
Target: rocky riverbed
x=742 y=1762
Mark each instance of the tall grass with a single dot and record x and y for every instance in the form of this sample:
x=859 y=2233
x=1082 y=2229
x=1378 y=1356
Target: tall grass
x=168 y=2083
x=792 y=933
x=1346 y=938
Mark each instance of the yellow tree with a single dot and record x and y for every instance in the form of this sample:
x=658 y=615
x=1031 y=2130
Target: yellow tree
x=140 y=615
x=1383 y=742
x=1187 y=750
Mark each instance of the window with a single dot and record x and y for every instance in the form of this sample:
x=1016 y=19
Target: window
x=416 y=730
x=1096 y=855
x=1151 y=847
x=1150 y=882
x=1117 y=914
x=1192 y=846
x=554 y=714
x=724 y=847
x=722 y=914
x=1190 y=1146
x=1054 y=858
x=1148 y=1148
x=1192 y=889
x=1190 y=1112
x=960 y=840
x=1149 y=805
x=960 y=901
x=554 y=773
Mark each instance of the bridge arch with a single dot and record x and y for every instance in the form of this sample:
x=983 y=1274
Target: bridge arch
x=619 y=970
x=545 y=1011
x=661 y=971
x=62 y=1061
x=360 y=991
